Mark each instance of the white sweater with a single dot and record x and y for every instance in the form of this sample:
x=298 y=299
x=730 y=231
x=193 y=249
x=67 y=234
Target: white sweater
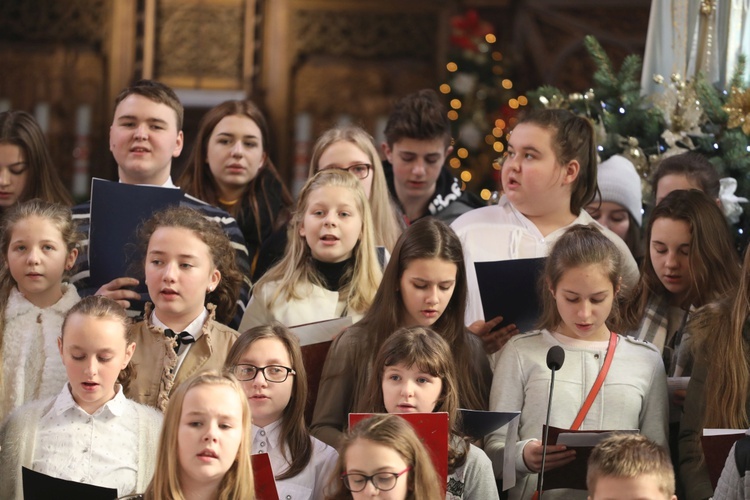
x=31 y=363
x=633 y=396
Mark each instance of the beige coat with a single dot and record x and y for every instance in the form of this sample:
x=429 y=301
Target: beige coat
x=155 y=359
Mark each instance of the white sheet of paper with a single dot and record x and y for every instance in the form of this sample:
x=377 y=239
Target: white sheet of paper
x=722 y=432
x=588 y=438
x=322 y=331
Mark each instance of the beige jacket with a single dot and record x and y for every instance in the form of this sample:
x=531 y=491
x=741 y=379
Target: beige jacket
x=155 y=359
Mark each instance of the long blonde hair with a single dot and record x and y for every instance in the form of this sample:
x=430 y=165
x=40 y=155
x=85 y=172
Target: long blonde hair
x=238 y=480
x=384 y=218
x=297 y=267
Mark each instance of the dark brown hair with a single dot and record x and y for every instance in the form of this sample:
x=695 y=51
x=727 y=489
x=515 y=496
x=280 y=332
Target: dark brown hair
x=713 y=260
x=427 y=238
x=20 y=129
x=419 y=116
x=692 y=165
x=197 y=179
x=293 y=428
x=430 y=353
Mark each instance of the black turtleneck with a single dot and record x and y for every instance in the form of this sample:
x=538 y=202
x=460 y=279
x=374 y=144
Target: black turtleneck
x=331 y=272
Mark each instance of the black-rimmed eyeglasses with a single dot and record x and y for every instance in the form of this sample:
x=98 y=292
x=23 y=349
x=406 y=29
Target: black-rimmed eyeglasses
x=359 y=170
x=383 y=481
x=272 y=373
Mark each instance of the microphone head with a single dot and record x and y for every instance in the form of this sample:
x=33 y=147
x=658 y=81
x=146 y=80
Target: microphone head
x=555 y=357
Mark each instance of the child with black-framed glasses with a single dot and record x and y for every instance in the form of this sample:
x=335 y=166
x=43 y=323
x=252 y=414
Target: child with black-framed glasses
x=268 y=362
x=383 y=454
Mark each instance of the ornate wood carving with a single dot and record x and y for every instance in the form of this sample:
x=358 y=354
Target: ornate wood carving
x=69 y=21
x=200 y=44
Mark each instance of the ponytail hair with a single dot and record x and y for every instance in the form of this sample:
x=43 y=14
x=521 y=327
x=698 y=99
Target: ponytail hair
x=573 y=138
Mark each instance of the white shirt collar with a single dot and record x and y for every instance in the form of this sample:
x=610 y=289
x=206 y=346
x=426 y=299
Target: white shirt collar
x=65 y=402
x=270 y=434
x=195 y=328
x=167 y=184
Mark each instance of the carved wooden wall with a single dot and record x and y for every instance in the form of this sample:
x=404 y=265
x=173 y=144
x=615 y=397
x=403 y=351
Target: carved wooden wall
x=51 y=53
x=344 y=59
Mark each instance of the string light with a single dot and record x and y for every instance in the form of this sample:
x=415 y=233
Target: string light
x=490 y=38
x=452 y=115
x=445 y=88
x=507 y=84
x=485 y=194
x=456 y=103
x=451 y=66
x=466 y=176
x=498 y=147
x=522 y=100
x=455 y=163
x=462 y=153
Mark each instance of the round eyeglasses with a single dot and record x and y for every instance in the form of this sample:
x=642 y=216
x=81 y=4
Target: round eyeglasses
x=272 y=373
x=383 y=481
x=359 y=170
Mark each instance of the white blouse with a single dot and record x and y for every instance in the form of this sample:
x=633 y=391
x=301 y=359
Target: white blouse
x=99 y=449
x=310 y=483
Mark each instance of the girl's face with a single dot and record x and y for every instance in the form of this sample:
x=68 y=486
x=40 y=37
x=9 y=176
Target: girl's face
x=332 y=223
x=209 y=434
x=267 y=399
x=345 y=154
x=179 y=273
x=235 y=153
x=94 y=351
x=531 y=175
x=13 y=174
x=426 y=288
x=407 y=389
x=670 y=255
x=37 y=259
x=674 y=182
x=611 y=215
x=365 y=457
x=584 y=297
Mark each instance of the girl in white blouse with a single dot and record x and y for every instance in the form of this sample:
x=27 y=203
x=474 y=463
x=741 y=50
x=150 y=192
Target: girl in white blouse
x=89 y=432
x=268 y=362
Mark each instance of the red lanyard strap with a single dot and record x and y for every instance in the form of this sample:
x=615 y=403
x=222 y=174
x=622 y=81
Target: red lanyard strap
x=597 y=383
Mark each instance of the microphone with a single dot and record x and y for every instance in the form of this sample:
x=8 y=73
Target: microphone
x=555 y=360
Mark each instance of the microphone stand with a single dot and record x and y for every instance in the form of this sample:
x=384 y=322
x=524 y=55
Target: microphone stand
x=540 y=479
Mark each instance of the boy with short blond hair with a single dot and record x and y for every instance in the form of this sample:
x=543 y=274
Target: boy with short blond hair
x=630 y=467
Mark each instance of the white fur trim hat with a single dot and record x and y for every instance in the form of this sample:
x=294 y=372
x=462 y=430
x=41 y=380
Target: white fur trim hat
x=621 y=184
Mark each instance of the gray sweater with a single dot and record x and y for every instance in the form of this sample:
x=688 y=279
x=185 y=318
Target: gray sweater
x=634 y=396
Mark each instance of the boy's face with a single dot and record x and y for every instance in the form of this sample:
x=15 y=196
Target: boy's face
x=143 y=139
x=416 y=166
x=644 y=487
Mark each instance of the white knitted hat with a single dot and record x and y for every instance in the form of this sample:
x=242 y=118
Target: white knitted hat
x=620 y=183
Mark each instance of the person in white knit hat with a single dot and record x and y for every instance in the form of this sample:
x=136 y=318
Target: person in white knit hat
x=620 y=206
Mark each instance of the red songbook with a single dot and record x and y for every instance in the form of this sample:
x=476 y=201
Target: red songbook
x=717 y=443
x=432 y=429
x=265 y=484
x=316 y=339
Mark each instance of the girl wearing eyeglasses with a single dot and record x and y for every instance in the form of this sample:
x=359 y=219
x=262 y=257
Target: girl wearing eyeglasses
x=268 y=362
x=351 y=148
x=383 y=456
